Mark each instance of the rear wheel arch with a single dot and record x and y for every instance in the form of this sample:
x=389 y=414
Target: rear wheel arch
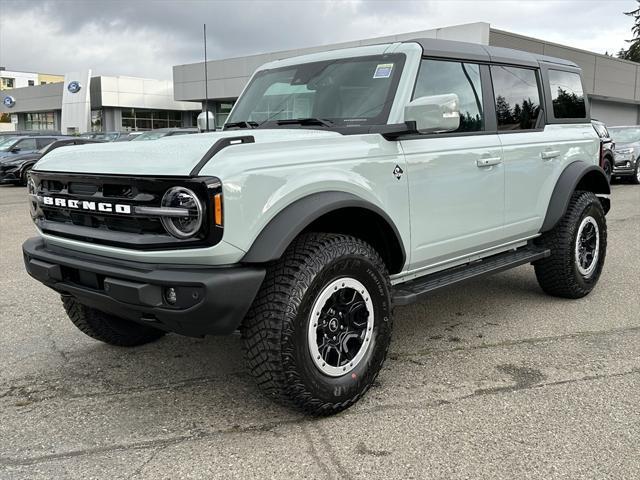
x=578 y=175
x=330 y=212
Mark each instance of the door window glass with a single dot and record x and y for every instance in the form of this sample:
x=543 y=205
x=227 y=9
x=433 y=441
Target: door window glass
x=517 y=97
x=437 y=77
x=27 y=144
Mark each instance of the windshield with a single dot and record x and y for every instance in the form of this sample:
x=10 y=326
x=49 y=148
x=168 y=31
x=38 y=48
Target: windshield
x=625 y=135
x=149 y=136
x=345 y=92
x=6 y=143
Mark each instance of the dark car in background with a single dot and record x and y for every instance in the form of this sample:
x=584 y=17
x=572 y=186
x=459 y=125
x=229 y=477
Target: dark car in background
x=18 y=145
x=607 y=147
x=164 y=132
x=105 y=136
x=29 y=133
x=626 y=160
x=14 y=170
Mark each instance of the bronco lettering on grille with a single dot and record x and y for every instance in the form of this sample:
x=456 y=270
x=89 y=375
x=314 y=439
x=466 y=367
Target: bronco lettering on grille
x=106 y=207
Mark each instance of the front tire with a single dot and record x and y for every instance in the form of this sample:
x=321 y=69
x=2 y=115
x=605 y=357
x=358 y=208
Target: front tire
x=320 y=327
x=108 y=328
x=636 y=175
x=24 y=177
x=578 y=245
x=608 y=168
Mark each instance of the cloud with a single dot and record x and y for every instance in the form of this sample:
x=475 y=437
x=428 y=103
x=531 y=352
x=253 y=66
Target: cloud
x=146 y=38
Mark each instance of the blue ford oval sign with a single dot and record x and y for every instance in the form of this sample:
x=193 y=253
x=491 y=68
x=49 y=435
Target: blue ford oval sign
x=9 y=101
x=74 y=87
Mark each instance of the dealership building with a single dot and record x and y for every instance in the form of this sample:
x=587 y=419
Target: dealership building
x=612 y=85
x=82 y=103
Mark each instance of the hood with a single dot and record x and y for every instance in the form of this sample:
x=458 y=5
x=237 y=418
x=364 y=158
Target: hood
x=18 y=158
x=620 y=146
x=170 y=156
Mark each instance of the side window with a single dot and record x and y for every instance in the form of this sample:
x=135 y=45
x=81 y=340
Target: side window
x=27 y=144
x=566 y=95
x=439 y=77
x=517 y=97
x=43 y=142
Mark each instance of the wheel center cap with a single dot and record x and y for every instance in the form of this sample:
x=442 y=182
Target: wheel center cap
x=333 y=325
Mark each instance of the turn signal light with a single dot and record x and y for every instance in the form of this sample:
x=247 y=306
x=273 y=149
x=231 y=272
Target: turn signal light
x=217 y=209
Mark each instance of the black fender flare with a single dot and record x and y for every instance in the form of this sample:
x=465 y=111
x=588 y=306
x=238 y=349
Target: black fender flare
x=278 y=234
x=577 y=174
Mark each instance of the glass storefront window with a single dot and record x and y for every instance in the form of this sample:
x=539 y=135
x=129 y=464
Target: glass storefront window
x=40 y=121
x=222 y=112
x=135 y=119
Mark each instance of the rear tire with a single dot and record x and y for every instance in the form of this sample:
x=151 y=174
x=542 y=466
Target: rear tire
x=108 y=328
x=578 y=245
x=319 y=329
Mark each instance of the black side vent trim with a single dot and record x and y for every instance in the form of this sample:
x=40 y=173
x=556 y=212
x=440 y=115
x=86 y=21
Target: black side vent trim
x=219 y=145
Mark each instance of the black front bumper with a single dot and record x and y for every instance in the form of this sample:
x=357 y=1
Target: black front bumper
x=209 y=300
x=9 y=177
x=624 y=168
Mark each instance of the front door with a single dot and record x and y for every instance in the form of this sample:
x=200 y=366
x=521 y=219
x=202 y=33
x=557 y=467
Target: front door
x=456 y=180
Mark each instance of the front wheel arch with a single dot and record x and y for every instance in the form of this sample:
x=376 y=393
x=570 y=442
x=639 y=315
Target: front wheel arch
x=330 y=212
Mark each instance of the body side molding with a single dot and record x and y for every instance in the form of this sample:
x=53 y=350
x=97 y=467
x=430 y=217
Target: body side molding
x=278 y=234
x=592 y=178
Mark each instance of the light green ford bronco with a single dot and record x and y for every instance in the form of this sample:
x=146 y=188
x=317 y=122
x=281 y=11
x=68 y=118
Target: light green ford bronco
x=342 y=184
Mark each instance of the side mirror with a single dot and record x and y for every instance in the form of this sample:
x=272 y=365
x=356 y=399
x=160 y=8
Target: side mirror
x=202 y=122
x=15 y=149
x=435 y=113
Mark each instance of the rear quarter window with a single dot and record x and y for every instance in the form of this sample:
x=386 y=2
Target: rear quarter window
x=567 y=96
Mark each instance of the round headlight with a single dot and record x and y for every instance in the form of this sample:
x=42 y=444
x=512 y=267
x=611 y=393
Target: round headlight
x=187 y=225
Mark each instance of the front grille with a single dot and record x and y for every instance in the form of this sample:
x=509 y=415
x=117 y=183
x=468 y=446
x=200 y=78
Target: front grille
x=124 y=229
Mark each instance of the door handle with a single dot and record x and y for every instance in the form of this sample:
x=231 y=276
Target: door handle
x=549 y=154
x=488 y=161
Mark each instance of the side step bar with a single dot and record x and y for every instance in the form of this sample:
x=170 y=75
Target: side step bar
x=413 y=291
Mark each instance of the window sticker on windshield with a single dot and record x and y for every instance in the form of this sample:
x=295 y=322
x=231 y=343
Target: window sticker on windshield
x=383 y=70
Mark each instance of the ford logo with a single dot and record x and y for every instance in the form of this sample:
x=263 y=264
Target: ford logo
x=74 y=87
x=9 y=101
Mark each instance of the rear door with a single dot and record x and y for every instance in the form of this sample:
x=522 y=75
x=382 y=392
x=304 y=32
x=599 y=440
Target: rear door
x=534 y=154
x=456 y=180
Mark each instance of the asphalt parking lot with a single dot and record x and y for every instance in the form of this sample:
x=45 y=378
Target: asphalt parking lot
x=489 y=379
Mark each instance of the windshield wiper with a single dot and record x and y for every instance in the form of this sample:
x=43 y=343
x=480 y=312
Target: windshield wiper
x=242 y=124
x=306 y=121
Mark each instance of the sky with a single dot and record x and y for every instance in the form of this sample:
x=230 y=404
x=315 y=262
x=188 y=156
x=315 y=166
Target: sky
x=145 y=38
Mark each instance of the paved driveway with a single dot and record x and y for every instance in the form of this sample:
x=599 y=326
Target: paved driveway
x=489 y=379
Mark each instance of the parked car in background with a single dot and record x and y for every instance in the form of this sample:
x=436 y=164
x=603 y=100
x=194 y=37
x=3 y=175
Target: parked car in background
x=20 y=145
x=607 y=147
x=14 y=169
x=30 y=133
x=104 y=136
x=128 y=136
x=626 y=163
x=164 y=132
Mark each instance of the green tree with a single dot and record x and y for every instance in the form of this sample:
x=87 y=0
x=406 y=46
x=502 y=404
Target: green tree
x=633 y=52
x=503 y=111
